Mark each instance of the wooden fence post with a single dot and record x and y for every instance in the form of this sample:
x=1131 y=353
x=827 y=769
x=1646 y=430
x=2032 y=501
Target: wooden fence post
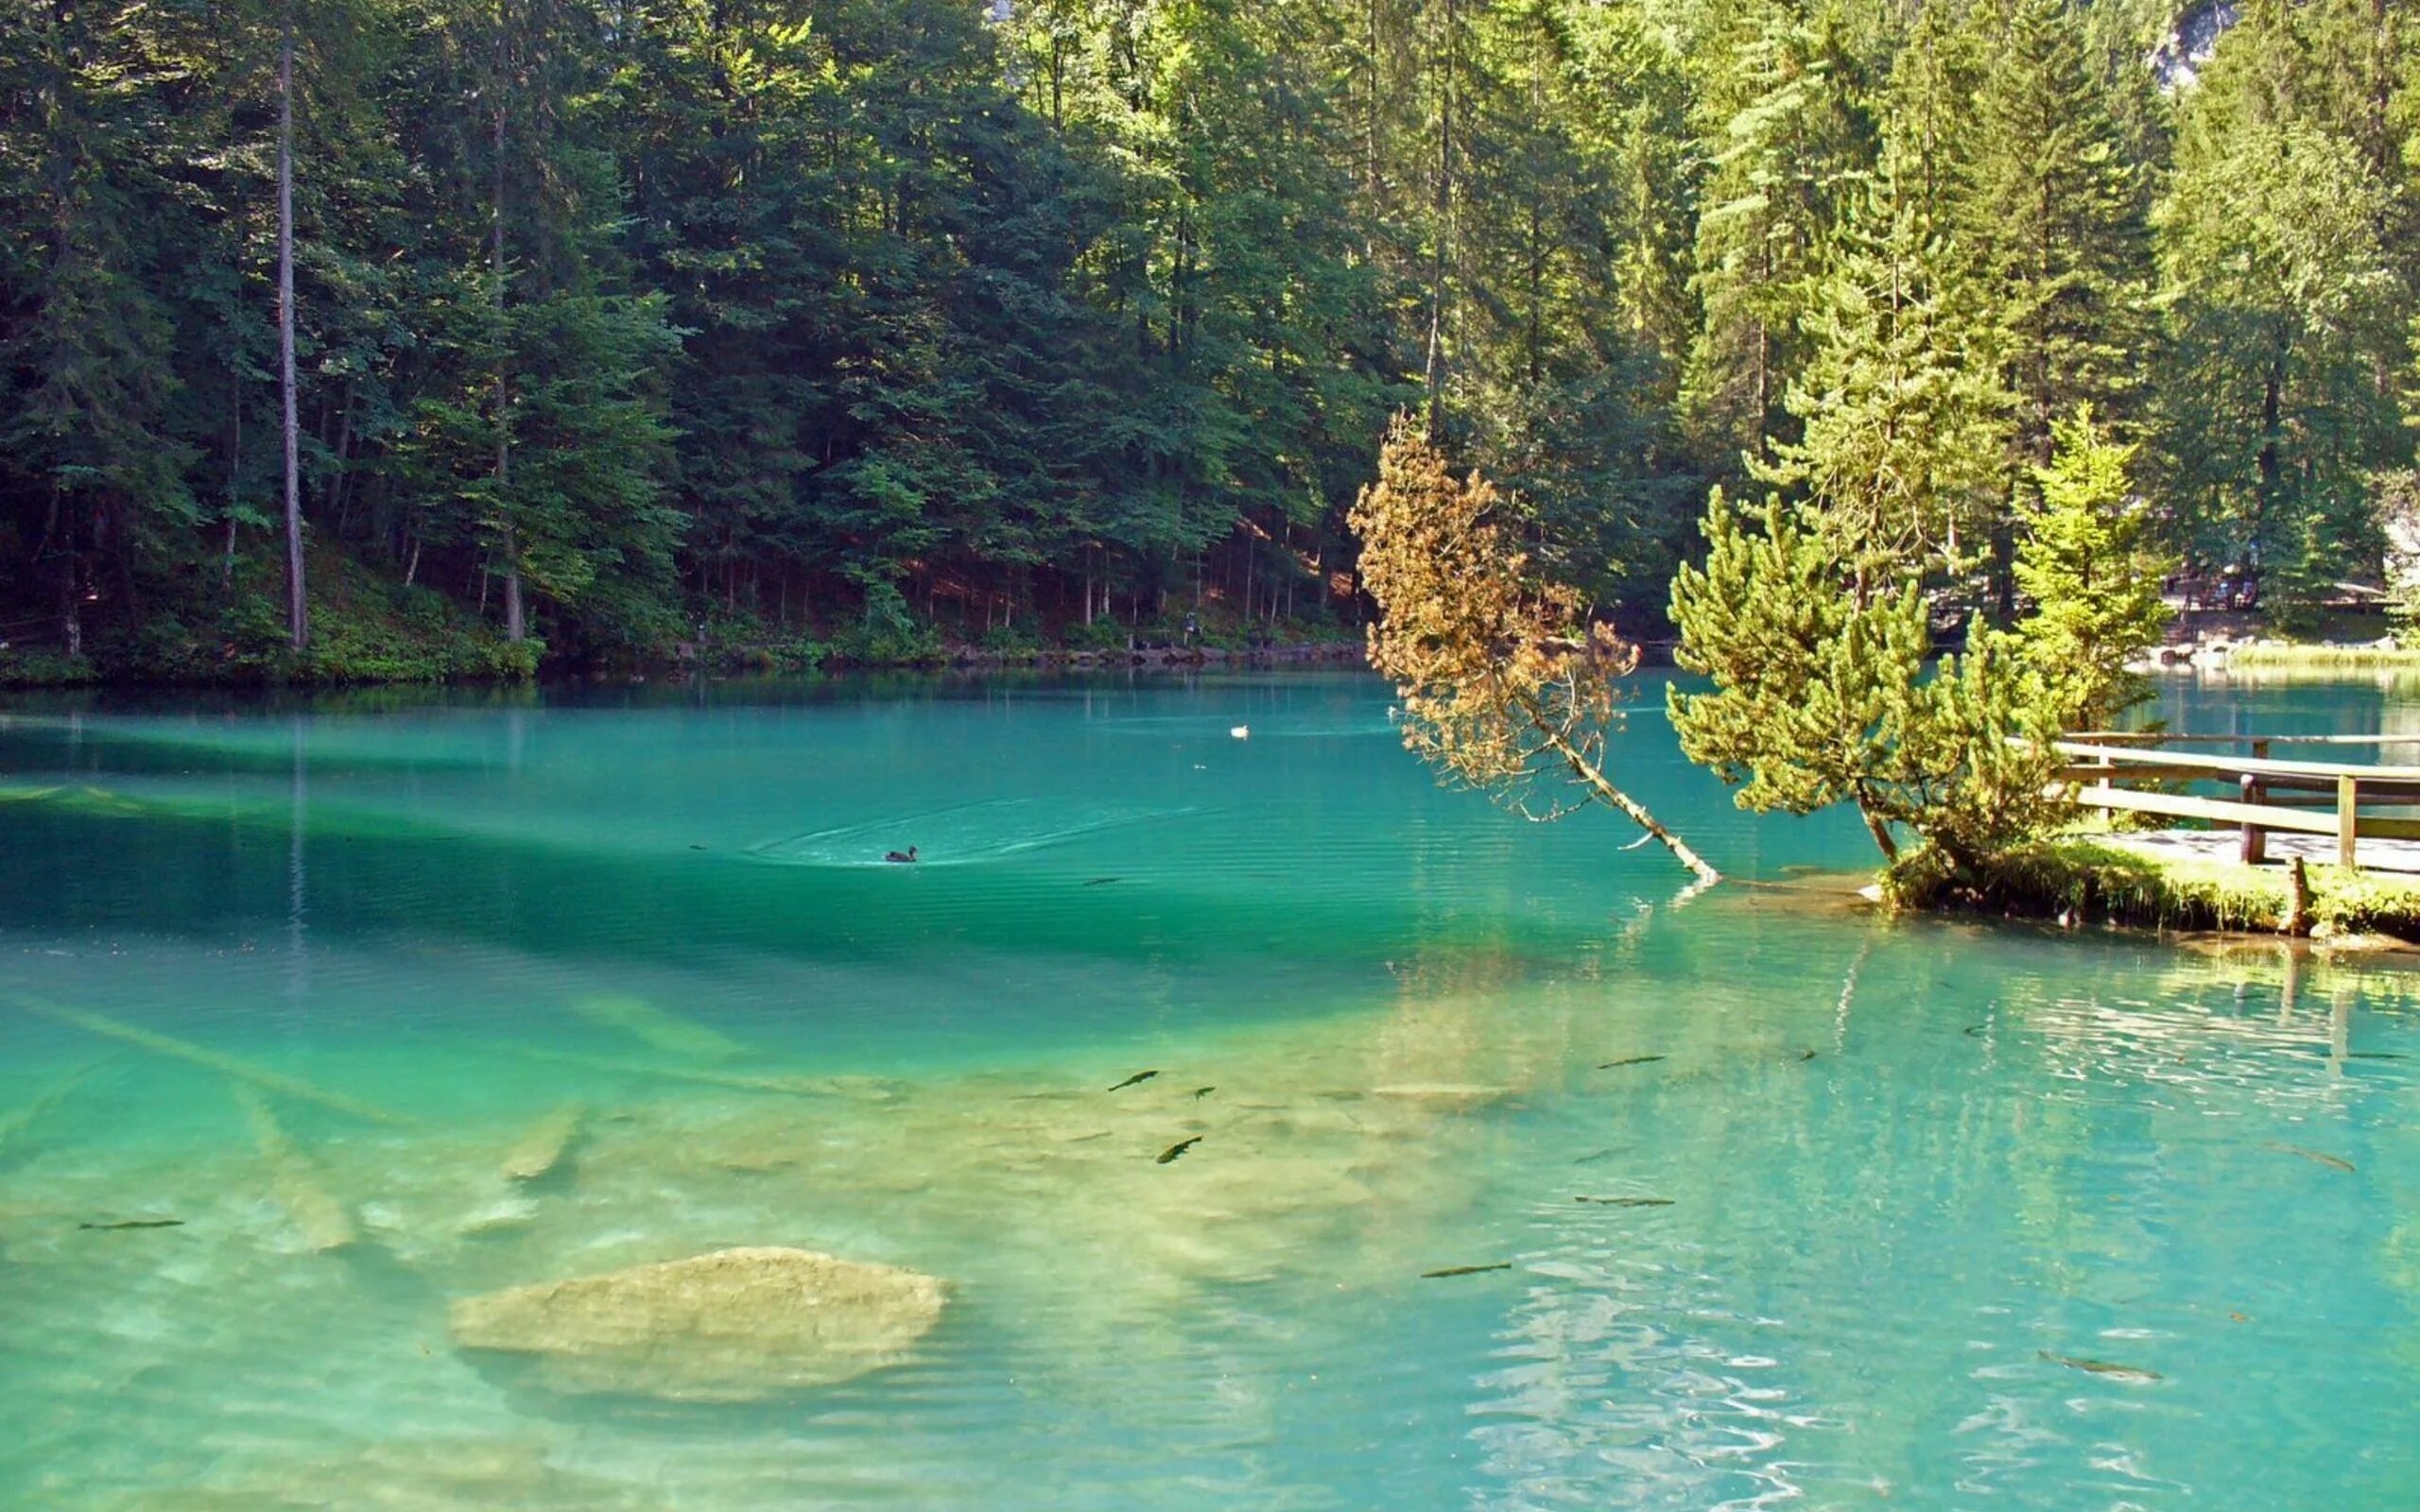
x=2348 y=800
x=2256 y=839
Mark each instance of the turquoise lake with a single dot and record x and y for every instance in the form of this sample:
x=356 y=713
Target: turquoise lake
x=365 y=1005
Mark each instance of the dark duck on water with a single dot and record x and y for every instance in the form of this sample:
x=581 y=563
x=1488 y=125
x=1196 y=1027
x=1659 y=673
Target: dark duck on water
x=906 y=856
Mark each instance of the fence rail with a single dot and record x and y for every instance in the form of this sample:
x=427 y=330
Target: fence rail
x=2342 y=799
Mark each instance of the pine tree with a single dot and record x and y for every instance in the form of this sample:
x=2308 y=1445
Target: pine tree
x=1791 y=139
x=1822 y=694
x=1504 y=686
x=1929 y=117
x=1903 y=424
x=2056 y=242
x=2087 y=565
x=2056 y=230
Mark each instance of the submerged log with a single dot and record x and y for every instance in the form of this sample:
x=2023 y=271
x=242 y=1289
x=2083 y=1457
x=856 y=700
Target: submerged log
x=542 y=1148
x=659 y=1029
x=225 y=1065
x=17 y=1123
x=294 y=1179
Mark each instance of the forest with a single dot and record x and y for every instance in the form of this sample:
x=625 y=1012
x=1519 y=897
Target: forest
x=876 y=325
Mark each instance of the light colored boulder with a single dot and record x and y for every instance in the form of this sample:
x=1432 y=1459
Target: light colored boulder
x=733 y=1325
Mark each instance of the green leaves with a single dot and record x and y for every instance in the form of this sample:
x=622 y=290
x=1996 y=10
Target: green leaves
x=1822 y=694
x=2284 y=307
x=1110 y=301
x=2089 y=567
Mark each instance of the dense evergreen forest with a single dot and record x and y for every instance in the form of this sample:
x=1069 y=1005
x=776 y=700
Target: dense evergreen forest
x=897 y=321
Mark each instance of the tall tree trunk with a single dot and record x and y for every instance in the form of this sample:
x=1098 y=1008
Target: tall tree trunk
x=1370 y=144
x=1878 y=827
x=1435 y=373
x=234 y=468
x=2271 y=433
x=298 y=619
x=339 y=499
x=516 y=625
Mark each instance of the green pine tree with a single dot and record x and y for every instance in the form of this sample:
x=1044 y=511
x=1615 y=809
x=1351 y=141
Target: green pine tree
x=1787 y=125
x=2056 y=242
x=1902 y=422
x=2087 y=565
x=1823 y=696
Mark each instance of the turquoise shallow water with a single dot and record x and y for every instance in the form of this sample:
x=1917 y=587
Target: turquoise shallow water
x=307 y=978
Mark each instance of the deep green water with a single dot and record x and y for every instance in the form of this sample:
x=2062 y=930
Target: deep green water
x=1911 y=1174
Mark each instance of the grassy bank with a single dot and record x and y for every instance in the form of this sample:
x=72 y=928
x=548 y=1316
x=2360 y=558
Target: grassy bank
x=2085 y=879
x=366 y=628
x=2329 y=656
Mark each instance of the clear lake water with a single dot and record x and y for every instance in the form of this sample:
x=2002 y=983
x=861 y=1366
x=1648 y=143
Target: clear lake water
x=1749 y=1198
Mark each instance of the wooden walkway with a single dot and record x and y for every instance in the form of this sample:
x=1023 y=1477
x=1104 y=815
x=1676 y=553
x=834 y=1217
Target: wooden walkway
x=2400 y=858
x=2346 y=802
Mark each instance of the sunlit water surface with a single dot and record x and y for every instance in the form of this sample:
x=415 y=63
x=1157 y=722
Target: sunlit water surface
x=1935 y=1214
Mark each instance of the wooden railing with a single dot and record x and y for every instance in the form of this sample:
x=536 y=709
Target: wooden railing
x=2305 y=797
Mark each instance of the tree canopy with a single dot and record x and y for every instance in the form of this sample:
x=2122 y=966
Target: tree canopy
x=954 y=317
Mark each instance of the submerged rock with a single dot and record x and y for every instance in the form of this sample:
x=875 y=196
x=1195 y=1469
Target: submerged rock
x=732 y=1326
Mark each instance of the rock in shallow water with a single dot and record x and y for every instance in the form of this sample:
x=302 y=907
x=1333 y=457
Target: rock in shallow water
x=732 y=1326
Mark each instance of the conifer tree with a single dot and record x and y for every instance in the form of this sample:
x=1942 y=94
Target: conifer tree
x=1903 y=423
x=2056 y=242
x=2055 y=228
x=1791 y=138
x=1822 y=694
x=1929 y=117
x=1505 y=687
x=2087 y=564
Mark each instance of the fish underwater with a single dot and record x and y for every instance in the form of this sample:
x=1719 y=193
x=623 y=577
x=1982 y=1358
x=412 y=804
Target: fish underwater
x=2333 y=1162
x=1464 y=1270
x=2135 y=1375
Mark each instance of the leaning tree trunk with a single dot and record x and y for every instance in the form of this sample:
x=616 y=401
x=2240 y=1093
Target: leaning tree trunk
x=1879 y=827
x=1594 y=782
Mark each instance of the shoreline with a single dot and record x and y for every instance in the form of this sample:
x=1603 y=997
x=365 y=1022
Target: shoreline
x=2113 y=881
x=59 y=673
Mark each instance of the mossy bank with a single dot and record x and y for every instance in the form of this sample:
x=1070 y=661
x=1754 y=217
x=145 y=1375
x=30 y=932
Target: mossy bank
x=2089 y=878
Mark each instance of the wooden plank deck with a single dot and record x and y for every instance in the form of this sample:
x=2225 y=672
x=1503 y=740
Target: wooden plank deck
x=2393 y=857
x=2342 y=799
